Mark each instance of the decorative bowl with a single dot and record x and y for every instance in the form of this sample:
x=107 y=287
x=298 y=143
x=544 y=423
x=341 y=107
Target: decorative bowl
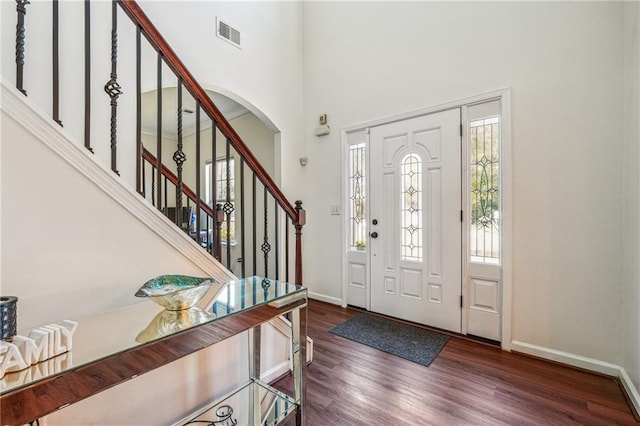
x=175 y=292
x=169 y=322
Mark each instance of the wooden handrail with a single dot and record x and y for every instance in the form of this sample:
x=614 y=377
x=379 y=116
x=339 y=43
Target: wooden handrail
x=174 y=180
x=151 y=33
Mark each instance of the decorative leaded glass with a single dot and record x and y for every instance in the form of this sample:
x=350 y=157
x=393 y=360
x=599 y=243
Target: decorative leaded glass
x=485 y=190
x=411 y=208
x=357 y=197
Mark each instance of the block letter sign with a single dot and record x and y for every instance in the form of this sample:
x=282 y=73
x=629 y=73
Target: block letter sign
x=42 y=344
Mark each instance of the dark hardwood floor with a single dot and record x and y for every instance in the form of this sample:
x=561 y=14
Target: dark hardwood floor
x=469 y=383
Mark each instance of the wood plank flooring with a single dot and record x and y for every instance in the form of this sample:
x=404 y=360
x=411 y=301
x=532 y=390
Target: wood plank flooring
x=468 y=383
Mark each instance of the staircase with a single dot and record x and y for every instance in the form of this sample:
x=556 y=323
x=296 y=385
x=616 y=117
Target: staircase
x=245 y=208
x=208 y=184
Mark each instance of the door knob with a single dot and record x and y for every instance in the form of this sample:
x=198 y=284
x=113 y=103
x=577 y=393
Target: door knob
x=374 y=235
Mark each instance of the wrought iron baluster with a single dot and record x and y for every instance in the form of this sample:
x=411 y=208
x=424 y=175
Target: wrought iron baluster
x=144 y=179
x=219 y=220
x=228 y=205
x=275 y=215
x=139 y=161
x=286 y=252
x=215 y=237
x=159 y=130
x=87 y=75
x=198 y=198
x=56 y=61
x=166 y=187
x=112 y=87
x=255 y=227
x=242 y=211
x=265 y=247
x=21 y=7
x=179 y=157
x=153 y=186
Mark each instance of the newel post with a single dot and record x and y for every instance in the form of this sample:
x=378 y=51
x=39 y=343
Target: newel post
x=302 y=219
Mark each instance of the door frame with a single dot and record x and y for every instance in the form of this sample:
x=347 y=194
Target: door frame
x=504 y=95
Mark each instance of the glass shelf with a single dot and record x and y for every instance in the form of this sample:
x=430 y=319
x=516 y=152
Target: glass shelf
x=253 y=404
x=101 y=336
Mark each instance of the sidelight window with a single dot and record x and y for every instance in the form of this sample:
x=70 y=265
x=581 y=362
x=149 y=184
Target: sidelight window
x=484 y=235
x=357 y=197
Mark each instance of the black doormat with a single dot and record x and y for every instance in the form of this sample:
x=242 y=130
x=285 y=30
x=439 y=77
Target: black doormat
x=412 y=343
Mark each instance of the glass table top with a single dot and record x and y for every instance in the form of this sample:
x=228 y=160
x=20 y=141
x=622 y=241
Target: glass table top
x=102 y=335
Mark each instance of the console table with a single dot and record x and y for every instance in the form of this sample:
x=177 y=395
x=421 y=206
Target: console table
x=113 y=347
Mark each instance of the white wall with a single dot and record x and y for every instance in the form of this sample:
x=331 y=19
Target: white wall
x=69 y=249
x=631 y=199
x=563 y=61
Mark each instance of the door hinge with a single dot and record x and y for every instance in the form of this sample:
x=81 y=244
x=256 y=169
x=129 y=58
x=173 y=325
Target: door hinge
x=461 y=215
x=461 y=305
x=460 y=129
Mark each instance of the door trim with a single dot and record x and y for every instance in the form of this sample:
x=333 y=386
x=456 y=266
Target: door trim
x=504 y=95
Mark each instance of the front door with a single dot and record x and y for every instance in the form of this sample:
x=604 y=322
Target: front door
x=415 y=213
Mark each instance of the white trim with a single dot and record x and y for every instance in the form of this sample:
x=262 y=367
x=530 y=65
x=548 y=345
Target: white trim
x=344 y=191
x=566 y=358
x=582 y=362
x=504 y=95
x=428 y=110
x=275 y=372
x=507 y=218
x=465 y=201
x=36 y=122
x=630 y=389
x=327 y=299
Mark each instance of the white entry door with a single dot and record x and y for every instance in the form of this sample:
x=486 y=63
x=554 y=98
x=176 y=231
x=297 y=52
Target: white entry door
x=415 y=214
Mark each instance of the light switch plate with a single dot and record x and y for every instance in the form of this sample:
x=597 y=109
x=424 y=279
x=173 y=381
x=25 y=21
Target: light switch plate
x=335 y=210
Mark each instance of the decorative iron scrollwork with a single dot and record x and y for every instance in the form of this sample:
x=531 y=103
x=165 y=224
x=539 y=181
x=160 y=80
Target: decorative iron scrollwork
x=113 y=89
x=179 y=157
x=265 y=247
x=228 y=208
x=266 y=283
x=224 y=414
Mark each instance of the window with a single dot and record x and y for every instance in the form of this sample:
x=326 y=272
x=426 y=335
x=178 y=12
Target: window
x=484 y=235
x=225 y=180
x=411 y=208
x=357 y=197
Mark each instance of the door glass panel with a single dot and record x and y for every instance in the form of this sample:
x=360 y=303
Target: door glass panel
x=485 y=190
x=411 y=208
x=357 y=197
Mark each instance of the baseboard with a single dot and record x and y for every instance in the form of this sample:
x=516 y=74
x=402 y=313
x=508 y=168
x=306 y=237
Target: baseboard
x=39 y=124
x=274 y=373
x=584 y=363
x=566 y=358
x=323 y=298
x=632 y=392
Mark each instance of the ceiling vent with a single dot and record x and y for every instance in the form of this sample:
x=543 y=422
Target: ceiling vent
x=227 y=32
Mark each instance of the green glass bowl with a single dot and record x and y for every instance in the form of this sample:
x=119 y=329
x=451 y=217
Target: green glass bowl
x=175 y=292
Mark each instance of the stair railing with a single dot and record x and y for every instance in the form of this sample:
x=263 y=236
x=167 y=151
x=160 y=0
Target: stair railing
x=238 y=210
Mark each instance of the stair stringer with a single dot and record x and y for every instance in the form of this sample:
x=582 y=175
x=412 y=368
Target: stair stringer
x=35 y=121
